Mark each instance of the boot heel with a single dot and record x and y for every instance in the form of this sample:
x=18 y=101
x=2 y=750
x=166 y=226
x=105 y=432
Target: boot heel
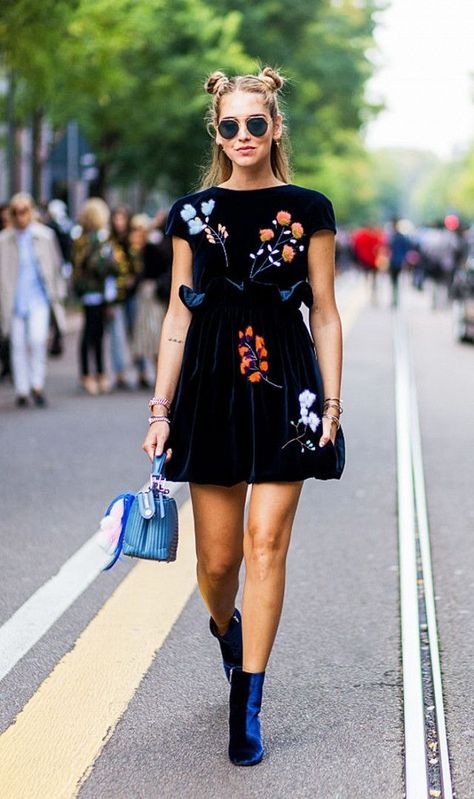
x=245 y=742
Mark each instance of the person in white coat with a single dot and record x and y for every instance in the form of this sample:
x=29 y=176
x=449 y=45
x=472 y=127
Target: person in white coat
x=30 y=284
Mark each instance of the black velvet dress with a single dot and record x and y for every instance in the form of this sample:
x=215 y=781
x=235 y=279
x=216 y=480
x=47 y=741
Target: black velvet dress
x=248 y=403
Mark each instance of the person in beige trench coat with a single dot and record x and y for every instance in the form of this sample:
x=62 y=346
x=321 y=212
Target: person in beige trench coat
x=31 y=284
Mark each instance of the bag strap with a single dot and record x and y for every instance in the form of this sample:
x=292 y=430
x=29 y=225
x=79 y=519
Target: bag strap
x=158 y=467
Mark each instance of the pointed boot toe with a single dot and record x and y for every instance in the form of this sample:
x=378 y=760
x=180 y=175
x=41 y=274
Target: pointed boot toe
x=245 y=741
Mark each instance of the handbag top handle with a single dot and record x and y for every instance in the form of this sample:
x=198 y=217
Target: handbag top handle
x=158 y=468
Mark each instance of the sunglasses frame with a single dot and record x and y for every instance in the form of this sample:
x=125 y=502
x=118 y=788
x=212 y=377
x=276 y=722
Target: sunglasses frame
x=247 y=121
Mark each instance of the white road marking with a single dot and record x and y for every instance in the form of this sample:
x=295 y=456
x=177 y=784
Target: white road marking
x=412 y=515
x=35 y=617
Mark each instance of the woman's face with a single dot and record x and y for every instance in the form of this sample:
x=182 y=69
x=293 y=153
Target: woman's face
x=245 y=149
x=120 y=221
x=138 y=236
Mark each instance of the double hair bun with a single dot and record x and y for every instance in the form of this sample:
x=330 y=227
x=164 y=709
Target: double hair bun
x=218 y=80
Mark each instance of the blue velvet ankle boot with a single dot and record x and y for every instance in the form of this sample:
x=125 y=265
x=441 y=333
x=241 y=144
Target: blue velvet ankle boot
x=245 y=744
x=230 y=643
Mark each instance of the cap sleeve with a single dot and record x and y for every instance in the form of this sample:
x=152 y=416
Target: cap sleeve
x=176 y=225
x=321 y=215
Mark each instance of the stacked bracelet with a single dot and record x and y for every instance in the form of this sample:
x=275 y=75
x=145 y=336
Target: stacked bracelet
x=152 y=419
x=159 y=401
x=333 y=402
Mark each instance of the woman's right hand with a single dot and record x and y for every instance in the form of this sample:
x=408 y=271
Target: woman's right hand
x=155 y=440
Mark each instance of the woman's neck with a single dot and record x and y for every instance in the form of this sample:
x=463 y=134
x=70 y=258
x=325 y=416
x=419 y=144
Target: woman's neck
x=246 y=178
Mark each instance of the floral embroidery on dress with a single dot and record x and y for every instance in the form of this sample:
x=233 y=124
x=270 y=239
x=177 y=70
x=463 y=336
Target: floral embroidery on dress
x=307 y=419
x=197 y=225
x=254 y=357
x=279 y=243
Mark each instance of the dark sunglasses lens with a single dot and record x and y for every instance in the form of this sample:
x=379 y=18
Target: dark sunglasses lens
x=257 y=126
x=228 y=128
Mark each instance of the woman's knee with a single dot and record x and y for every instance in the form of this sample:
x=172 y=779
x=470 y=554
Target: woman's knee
x=217 y=570
x=264 y=548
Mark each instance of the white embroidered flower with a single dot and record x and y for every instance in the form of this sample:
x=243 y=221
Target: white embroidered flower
x=187 y=212
x=313 y=421
x=208 y=207
x=306 y=399
x=195 y=226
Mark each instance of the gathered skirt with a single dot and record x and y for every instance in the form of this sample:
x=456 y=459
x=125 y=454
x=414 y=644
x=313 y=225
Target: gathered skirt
x=249 y=399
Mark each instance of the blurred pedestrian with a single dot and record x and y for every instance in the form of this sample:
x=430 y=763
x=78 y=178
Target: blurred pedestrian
x=94 y=267
x=5 y=218
x=153 y=264
x=398 y=247
x=57 y=219
x=368 y=245
x=30 y=282
x=248 y=400
x=5 y=369
x=121 y=310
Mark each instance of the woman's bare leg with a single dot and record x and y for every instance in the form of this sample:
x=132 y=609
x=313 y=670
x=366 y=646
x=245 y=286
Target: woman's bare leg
x=271 y=514
x=219 y=526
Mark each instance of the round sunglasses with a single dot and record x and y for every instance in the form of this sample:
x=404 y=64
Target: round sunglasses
x=256 y=126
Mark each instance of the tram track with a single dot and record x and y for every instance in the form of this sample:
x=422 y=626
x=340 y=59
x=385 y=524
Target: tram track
x=426 y=751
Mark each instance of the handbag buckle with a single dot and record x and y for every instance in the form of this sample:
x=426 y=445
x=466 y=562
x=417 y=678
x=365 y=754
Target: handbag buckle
x=146 y=503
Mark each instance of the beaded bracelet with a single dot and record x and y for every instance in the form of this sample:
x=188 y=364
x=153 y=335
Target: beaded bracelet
x=152 y=419
x=334 y=419
x=159 y=401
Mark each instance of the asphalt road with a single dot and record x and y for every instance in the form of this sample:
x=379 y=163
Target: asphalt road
x=332 y=715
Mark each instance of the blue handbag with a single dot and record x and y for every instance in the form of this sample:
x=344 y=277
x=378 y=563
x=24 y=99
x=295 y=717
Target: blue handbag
x=147 y=522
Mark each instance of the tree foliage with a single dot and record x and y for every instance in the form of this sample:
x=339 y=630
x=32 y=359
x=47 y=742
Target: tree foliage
x=131 y=73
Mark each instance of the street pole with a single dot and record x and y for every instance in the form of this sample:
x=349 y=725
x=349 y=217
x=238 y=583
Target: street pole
x=11 y=134
x=72 y=167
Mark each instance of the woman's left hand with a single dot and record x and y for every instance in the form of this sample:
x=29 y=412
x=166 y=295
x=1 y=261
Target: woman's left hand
x=329 y=431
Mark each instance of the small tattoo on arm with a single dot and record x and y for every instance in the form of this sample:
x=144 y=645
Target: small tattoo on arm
x=177 y=340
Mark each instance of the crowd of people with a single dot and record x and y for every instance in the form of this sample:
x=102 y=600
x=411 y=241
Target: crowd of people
x=437 y=252
x=115 y=265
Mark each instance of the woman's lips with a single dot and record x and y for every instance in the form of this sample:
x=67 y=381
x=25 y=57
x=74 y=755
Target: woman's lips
x=245 y=150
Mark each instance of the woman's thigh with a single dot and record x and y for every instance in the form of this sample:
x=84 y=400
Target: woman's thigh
x=219 y=522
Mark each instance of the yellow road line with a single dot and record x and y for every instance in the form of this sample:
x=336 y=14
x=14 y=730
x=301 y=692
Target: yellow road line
x=49 y=751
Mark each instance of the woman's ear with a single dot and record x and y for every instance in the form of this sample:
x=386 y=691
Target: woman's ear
x=277 y=127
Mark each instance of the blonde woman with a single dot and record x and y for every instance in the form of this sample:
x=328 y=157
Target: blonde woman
x=93 y=269
x=248 y=401
x=149 y=266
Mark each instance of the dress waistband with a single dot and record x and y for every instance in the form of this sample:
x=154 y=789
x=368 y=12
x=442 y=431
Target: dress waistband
x=222 y=291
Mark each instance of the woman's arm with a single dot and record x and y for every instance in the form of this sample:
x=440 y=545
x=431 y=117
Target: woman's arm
x=170 y=355
x=325 y=322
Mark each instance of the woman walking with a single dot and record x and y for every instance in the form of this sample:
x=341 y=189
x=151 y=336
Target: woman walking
x=248 y=401
x=93 y=266
x=150 y=268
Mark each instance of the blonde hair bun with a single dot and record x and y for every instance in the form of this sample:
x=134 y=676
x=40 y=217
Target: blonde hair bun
x=215 y=82
x=272 y=78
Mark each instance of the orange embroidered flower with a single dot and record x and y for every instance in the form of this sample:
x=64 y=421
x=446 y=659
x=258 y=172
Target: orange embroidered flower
x=297 y=230
x=283 y=218
x=288 y=253
x=266 y=234
x=253 y=356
